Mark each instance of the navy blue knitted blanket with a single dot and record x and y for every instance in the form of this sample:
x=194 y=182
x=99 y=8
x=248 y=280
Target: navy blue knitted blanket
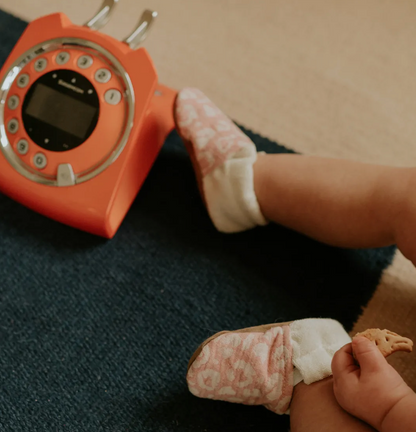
x=95 y=335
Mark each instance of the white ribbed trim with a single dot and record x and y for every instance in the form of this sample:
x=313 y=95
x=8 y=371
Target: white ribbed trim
x=314 y=343
x=229 y=193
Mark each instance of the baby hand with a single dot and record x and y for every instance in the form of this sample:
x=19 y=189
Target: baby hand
x=371 y=390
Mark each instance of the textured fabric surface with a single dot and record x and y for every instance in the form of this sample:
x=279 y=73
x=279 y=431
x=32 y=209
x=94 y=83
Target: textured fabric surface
x=95 y=335
x=251 y=368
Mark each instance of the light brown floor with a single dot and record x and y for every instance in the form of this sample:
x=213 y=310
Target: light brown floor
x=324 y=77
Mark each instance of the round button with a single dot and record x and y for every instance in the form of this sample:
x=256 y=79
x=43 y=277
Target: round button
x=40 y=64
x=103 y=75
x=112 y=96
x=40 y=160
x=62 y=58
x=13 y=102
x=22 y=146
x=23 y=80
x=13 y=126
x=85 y=61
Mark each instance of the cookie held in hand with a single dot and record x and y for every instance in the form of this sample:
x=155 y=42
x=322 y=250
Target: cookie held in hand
x=387 y=341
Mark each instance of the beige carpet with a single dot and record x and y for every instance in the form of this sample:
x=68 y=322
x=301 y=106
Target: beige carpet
x=325 y=77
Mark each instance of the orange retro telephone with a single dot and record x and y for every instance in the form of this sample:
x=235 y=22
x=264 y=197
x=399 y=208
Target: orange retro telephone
x=82 y=119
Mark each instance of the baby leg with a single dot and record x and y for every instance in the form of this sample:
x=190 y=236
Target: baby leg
x=339 y=202
x=315 y=409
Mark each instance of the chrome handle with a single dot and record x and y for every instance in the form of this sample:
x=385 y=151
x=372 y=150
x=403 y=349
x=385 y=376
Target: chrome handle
x=141 y=31
x=101 y=18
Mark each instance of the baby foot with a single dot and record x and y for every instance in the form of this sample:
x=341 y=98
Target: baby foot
x=236 y=367
x=223 y=158
x=214 y=138
x=261 y=365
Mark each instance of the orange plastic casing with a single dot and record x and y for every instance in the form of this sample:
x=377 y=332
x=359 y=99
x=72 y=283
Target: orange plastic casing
x=100 y=204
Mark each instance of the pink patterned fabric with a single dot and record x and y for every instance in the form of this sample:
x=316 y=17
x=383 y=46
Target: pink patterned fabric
x=248 y=368
x=214 y=137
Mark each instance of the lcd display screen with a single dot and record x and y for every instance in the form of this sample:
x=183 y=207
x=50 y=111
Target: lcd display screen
x=61 y=111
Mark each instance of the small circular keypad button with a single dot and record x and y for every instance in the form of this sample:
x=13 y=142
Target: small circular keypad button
x=112 y=96
x=23 y=80
x=40 y=64
x=13 y=102
x=85 y=61
x=103 y=75
x=62 y=58
x=40 y=161
x=22 y=146
x=13 y=126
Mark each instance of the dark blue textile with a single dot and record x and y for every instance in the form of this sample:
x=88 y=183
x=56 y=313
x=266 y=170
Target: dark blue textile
x=95 y=335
